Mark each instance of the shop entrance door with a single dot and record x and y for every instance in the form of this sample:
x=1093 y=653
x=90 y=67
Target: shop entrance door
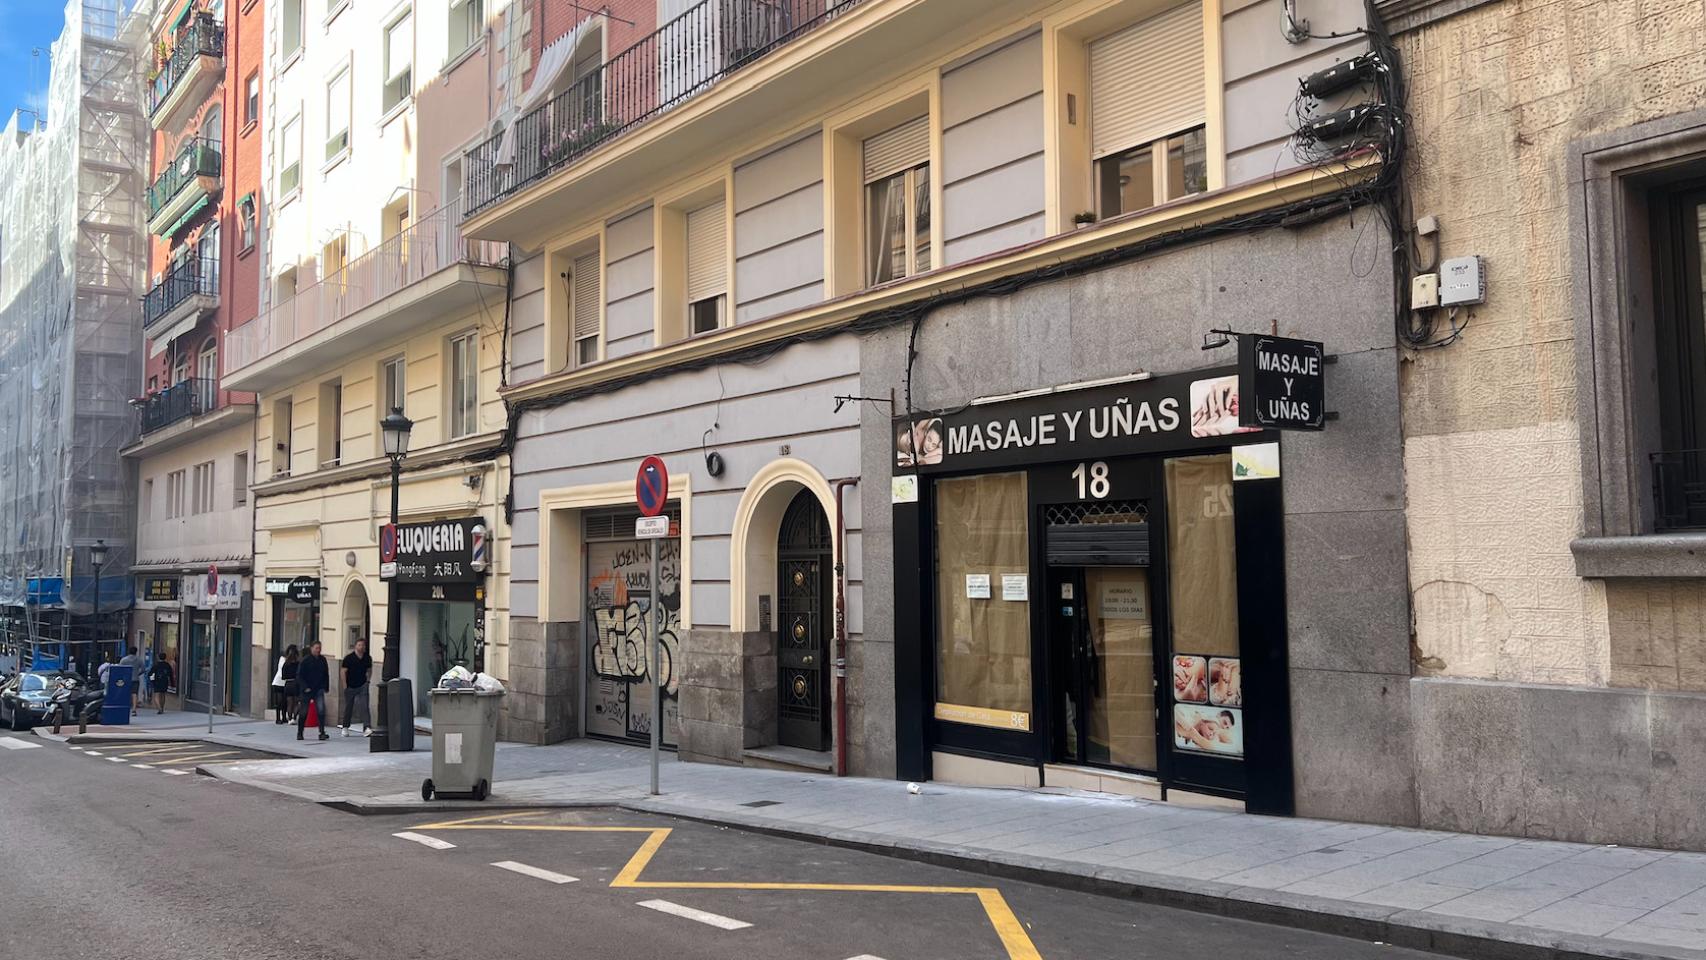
x=804 y=555
x=1102 y=653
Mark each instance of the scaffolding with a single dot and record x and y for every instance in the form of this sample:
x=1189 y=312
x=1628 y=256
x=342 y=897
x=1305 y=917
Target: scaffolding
x=73 y=252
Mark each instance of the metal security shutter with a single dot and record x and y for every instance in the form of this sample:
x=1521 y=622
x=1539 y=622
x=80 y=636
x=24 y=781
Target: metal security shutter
x=1147 y=80
x=706 y=243
x=902 y=148
x=585 y=271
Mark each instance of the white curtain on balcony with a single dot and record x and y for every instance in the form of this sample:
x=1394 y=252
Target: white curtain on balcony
x=553 y=61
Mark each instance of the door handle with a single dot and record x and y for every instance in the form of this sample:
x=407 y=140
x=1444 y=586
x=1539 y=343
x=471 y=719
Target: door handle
x=807 y=660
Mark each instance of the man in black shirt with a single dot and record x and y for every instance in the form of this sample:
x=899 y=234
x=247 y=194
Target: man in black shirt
x=312 y=676
x=357 y=667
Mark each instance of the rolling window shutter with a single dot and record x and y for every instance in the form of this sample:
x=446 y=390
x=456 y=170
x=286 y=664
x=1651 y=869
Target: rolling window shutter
x=902 y=148
x=586 y=296
x=705 y=246
x=399 y=47
x=1146 y=81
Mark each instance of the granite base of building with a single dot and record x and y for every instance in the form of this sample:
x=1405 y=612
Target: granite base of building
x=544 y=680
x=728 y=694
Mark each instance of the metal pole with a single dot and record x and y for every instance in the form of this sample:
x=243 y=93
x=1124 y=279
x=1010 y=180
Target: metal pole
x=657 y=669
x=96 y=628
x=380 y=738
x=212 y=664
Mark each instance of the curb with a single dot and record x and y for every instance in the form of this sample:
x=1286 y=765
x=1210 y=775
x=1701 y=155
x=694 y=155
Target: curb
x=1460 y=937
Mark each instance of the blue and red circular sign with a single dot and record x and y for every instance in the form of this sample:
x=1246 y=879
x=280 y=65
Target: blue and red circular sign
x=388 y=543
x=651 y=487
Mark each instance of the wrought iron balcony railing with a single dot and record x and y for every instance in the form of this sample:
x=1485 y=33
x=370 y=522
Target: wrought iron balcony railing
x=202 y=36
x=197 y=276
x=180 y=401
x=198 y=158
x=662 y=70
x=1679 y=490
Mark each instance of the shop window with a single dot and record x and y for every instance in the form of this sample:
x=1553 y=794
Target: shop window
x=1148 y=102
x=1207 y=669
x=897 y=202
x=464 y=384
x=983 y=641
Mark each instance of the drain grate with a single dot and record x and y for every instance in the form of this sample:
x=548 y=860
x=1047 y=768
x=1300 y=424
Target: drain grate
x=762 y=803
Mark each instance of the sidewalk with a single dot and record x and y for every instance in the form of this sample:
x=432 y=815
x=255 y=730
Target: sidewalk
x=1448 y=892
x=232 y=731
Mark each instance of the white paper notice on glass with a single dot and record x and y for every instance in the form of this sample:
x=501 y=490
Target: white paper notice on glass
x=1015 y=586
x=1124 y=601
x=977 y=586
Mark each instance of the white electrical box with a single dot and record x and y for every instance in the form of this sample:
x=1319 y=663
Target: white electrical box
x=1424 y=291
x=1462 y=281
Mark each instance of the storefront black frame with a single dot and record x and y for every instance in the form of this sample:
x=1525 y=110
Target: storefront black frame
x=1263 y=638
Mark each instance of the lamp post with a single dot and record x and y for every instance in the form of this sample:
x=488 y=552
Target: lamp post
x=98 y=559
x=395 y=431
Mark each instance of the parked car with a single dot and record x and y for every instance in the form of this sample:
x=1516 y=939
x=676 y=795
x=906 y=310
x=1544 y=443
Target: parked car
x=25 y=698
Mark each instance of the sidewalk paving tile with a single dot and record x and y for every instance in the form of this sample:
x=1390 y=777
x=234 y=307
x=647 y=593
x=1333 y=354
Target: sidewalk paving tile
x=1574 y=916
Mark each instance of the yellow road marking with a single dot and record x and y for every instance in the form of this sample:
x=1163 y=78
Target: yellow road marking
x=155 y=748
x=1001 y=917
x=204 y=756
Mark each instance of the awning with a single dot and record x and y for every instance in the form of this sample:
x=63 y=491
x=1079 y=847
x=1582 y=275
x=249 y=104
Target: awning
x=157 y=342
x=552 y=62
x=179 y=223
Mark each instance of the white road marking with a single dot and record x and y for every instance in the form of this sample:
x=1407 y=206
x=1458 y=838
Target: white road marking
x=712 y=919
x=142 y=766
x=425 y=840
x=865 y=956
x=534 y=872
x=92 y=753
x=177 y=773
x=13 y=743
x=115 y=760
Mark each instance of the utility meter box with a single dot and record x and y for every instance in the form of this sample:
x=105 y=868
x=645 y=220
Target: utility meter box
x=1462 y=281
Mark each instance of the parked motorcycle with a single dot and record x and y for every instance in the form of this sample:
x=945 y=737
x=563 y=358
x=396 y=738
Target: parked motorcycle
x=71 y=698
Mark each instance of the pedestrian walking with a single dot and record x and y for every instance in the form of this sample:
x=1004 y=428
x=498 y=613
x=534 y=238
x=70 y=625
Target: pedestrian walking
x=292 y=690
x=357 y=667
x=160 y=680
x=105 y=669
x=314 y=676
x=134 y=662
x=276 y=692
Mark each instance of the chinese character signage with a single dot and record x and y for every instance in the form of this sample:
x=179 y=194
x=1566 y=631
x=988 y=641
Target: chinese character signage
x=227 y=592
x=440 y=551
x=159 y=589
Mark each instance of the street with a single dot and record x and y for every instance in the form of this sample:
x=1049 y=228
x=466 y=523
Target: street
x=104 y=858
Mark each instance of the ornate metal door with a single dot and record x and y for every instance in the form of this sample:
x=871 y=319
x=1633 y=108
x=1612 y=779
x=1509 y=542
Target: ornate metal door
x=804 y=557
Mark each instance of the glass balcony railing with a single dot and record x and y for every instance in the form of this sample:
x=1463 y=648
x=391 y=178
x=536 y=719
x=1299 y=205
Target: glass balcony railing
x=662 y=70
x=202 y=36
x=198 y=276
x=180 y=401
x=198 y=158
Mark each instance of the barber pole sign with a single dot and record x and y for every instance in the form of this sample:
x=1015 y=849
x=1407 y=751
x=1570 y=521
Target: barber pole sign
x=477 y=549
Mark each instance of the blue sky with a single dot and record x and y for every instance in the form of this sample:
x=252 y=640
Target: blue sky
x=25 y=24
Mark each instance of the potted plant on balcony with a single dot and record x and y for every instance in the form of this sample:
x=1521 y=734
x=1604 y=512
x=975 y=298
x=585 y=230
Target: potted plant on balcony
x=1082 y=220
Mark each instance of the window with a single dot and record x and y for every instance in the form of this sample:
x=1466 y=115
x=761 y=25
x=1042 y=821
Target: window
x=291 y=26
x=393 y=386
x=290 y=148
x=464 y=384
x=707 y=267
x=467 y=24
x=240 y=479
x=1679 y=464
x=252 y=98
x=1147 y=105
x=331 y=424
x=146 y=507
x=281 y=437
x=585 y=308
x=174 y=494
x=337 y=115
x=248 y=220
x=202 y=500
x=399 y=62
x=983 y=642
x=213 y=127
x=207 y=375
x=897 y=202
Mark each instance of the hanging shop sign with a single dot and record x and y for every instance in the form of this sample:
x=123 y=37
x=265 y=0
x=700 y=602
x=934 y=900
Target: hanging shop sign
x=159 y=589
x=213 y=591
x=1281 y=382
x=440 y=551
x=298 y=589
x=1141 y=415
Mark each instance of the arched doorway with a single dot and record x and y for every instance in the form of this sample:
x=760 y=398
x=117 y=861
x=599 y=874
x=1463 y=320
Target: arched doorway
x=354 y=618
x=804 y=561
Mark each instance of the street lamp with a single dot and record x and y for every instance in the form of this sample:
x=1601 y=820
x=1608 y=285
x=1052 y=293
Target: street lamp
x=394 y=430
x=98 y=558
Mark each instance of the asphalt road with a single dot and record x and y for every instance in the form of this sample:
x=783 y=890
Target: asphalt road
x=102 y=859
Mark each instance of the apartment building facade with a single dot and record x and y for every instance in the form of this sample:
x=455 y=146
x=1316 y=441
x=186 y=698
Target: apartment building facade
x=1553 y=453
x=193 y=592
x=791 y=248
x=374 y=302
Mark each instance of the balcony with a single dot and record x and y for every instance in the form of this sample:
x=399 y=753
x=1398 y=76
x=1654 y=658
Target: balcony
x=190 y=183
x=179 y=402
x=427 y=273
x=660 y=72
x=1679 y=490
x=183 y=296
x=189 y=71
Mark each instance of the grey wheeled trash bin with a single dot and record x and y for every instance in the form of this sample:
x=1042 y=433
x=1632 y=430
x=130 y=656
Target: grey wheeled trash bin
x=464 y=737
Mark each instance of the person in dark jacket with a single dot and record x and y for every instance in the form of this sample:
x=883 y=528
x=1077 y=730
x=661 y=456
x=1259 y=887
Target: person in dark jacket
x=291 y=692
x=314 y=677
x=160 y=681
